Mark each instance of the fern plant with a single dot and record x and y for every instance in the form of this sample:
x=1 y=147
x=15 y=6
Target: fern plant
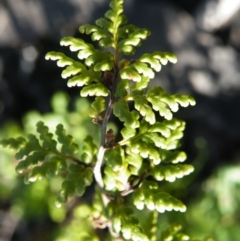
x=126 y=168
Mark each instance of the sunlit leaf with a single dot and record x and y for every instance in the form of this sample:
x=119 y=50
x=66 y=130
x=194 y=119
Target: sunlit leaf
x=94 y=90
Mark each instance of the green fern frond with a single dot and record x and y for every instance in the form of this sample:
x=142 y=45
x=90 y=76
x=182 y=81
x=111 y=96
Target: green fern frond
x=121 y=110
x=153 y=198
x=89 y=150
x=97 y=111
x=106 y=29
x=94 y=90
x=160 y=101
x=149 y=150
x=141 y=105
x=68 y=146
x=116 y=180
x=13 y=143
x=173 y=232
x=127 y=225
x=83 y=76
x=146 y=65
x=113 y=158
x=122 y=88
x=78 y=178
x=171 y=172
x=49 y=168
x=134 y=38
x=112 y=31
x=152 y=139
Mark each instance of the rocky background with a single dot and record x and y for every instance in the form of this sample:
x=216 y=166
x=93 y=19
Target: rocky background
x=204 y=34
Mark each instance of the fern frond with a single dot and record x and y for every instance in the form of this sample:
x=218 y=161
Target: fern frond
x=153 y=198
x=146 y=65
x=121 y=110
x=83 y=76
x=89 y=150
x=171 y=172
x=151 y=140
x=160 y=101
x=149 y=146
x=173 y=232
x=127 y=225
x=106 y=29
x=78 y=178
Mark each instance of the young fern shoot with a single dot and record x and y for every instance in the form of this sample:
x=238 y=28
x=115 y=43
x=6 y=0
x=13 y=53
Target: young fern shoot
x=148 y=151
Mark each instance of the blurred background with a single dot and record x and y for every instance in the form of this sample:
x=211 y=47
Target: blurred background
x=205 y=36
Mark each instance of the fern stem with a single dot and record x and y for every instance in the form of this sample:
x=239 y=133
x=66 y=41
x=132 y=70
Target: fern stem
x=101 y=151
x=105 y=120
x=97 y=168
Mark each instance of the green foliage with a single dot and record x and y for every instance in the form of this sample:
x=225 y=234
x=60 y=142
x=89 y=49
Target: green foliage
x=150 y=195
x=77 y=180
x=215 y=209
x=34 y=151
x=125 y=223
x=173 y=233
x=148 y=151
x=146 y=65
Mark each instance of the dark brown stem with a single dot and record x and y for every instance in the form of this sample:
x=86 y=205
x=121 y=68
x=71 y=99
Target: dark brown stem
x=100 y=156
